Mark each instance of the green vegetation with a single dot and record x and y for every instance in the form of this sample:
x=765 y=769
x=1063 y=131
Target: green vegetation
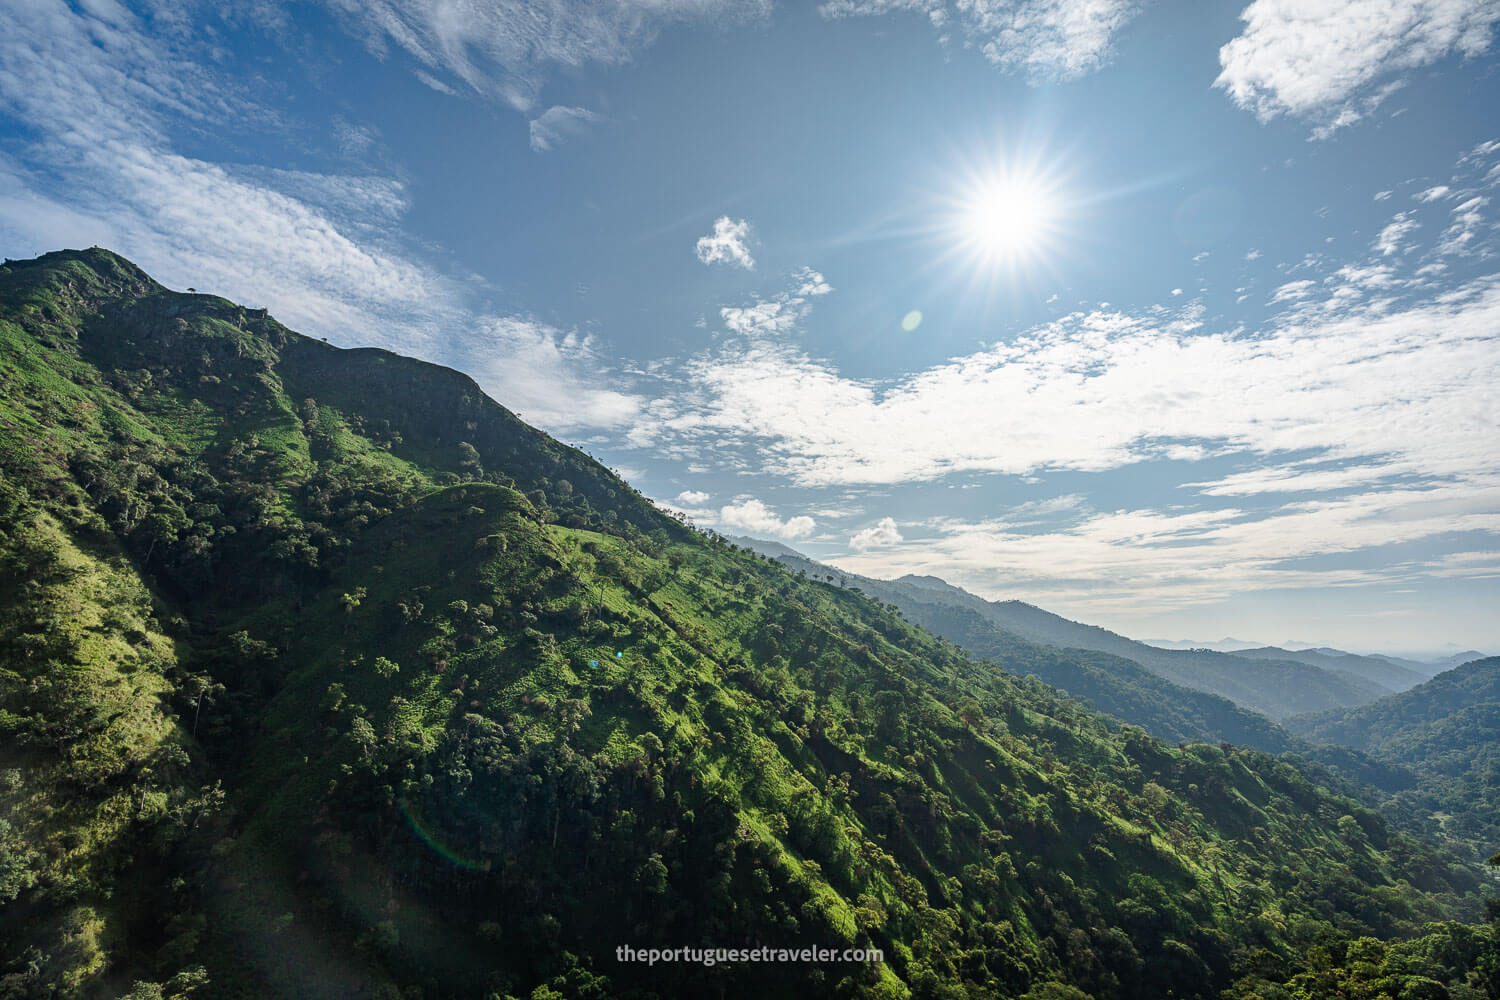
x=1448 y=731
x=323 y=675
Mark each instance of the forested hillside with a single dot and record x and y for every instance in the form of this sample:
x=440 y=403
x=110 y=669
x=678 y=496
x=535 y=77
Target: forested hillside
x=1448 y=731
x=323 y=675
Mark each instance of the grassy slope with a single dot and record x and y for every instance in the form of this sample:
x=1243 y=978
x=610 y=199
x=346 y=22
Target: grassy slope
x=430 y=786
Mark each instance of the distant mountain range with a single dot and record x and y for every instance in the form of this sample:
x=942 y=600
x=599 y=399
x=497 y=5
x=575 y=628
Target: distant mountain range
x=1338 y=678
x=1274 y=685
x=1377 y=670
x=1424 y=666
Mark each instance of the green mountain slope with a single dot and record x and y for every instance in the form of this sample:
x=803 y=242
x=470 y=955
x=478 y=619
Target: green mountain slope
x=325 y=676
x=1447 y=730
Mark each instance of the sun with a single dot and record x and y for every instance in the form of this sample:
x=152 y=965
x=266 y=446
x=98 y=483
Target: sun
x=1006 y=217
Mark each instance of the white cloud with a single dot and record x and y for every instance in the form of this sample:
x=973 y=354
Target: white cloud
x=1143 y=561
x=1389 y=240
x=1338 y=377
x=501 y=48
x=810 y=283
x=780 y=315
x=772 y=317
x=692 y=498
x=354 y=141
x=1176 y=292
x=1327 y=59
x=1045 y=39
x=838 y=513
x=1293 y=290
x=883 y=534
x=1433 y=193
x=1467 y=222
x=552 y=378
x=557 y=124
x=428 y=80
x=754 y=516
x=726 y=244
x=323 y=251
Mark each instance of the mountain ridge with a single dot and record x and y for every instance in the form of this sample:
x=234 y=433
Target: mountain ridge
x=1374 y=669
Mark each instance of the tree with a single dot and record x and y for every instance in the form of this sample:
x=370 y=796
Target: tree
x=468 y=461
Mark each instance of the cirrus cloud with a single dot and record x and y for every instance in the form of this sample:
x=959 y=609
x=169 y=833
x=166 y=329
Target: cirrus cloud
x=502 y=48
x=557 y=124
x=1044 y=39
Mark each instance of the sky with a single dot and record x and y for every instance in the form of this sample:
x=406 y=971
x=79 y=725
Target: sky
x=1179 y=318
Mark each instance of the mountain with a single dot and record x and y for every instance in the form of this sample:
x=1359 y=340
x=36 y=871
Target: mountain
x=1275 y=688
x=1272 y=687
x=322 y=675
x=1377 y=670
x=1447 y=730
x=1228 y=644
x=1456 y=659
x=1436 y=665
x=1361 y=665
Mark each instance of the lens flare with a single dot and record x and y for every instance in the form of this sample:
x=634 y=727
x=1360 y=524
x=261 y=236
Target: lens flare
x=439 y=844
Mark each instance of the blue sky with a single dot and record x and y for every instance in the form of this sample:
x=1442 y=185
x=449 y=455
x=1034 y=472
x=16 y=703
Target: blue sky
x=1179 y=318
